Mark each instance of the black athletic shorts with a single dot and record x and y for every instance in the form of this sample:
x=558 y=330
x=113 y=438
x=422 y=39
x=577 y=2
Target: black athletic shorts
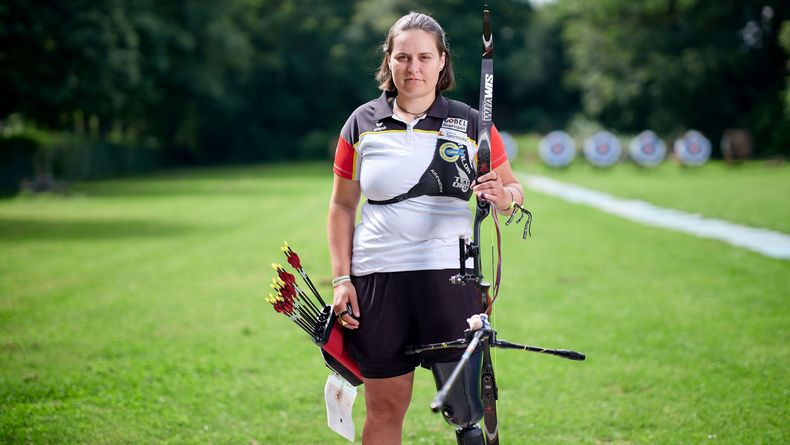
x=400 y=309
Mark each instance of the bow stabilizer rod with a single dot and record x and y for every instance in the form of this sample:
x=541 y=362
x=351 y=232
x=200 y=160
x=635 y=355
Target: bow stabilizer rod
x=438 y=400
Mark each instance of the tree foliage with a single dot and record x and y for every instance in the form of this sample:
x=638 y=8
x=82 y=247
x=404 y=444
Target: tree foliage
x=252 y=80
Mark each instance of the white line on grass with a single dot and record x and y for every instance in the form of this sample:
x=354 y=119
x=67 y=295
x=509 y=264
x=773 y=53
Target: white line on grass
x=764 y=241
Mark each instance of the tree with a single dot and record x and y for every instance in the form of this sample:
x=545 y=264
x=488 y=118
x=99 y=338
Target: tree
x=66 y=57
x=674 y=64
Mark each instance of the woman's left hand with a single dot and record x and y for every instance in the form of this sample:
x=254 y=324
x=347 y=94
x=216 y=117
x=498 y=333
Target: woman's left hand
x=490 y=188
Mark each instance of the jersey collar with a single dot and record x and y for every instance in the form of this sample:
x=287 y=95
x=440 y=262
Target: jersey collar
x=382 y=107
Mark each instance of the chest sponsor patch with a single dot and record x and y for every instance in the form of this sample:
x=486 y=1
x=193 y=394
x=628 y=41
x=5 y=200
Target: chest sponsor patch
x=455 y=123
x=456 y=136
x=450 y=152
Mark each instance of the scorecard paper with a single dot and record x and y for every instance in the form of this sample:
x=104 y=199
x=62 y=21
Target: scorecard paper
x=340 y=395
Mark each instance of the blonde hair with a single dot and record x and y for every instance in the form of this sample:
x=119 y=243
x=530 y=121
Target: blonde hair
x=410 y=21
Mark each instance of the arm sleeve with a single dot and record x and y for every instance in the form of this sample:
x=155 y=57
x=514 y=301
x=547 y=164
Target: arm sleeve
x=498 y=154
x=346 y=159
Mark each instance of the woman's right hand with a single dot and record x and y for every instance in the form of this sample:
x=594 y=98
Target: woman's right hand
x=344 y=305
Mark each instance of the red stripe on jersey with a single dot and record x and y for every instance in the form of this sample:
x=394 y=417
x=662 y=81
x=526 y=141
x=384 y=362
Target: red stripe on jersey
x=344 y=159
x=498 y=155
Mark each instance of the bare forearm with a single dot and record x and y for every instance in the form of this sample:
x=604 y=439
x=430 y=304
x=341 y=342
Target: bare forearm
x=340 y=232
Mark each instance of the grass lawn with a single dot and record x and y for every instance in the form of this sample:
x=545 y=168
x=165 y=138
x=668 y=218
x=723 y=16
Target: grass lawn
x=133 y=312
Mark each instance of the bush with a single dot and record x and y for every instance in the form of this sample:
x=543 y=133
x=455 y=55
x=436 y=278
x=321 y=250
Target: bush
x=318 y=145
x=35 y=154
x=17 y=154
x=72 y=158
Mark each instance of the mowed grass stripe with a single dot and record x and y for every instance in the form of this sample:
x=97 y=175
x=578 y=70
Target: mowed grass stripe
x=754 y=193
x=763 y=241
x=155 y=330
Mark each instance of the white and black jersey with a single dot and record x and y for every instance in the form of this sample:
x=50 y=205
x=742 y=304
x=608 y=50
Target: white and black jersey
x=389 y=157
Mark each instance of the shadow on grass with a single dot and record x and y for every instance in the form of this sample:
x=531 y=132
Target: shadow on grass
x=223 y=180
x=210 y=181
x=26 y=229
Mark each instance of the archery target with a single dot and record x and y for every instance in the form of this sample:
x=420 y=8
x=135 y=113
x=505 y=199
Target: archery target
x=647 y=149
x=557 y=149
x=511 y=146
x=693 y=148
x=602 y=149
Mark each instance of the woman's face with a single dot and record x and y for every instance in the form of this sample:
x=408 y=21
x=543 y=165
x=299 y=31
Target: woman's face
x=415 y=64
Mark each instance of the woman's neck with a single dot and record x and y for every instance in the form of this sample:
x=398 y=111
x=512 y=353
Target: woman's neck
x=414 y=107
